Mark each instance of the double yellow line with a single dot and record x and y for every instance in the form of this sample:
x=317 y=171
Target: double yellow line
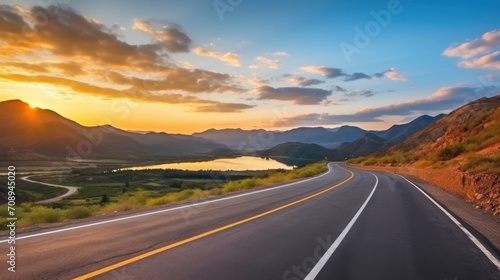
x=205 y=234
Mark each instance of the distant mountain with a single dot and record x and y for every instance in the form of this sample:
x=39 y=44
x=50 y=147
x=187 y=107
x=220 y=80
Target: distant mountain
x=261 y=139
x=365 y=145
x=43 y=133
x=298 y=153
x=400 y=132
x=304 y=152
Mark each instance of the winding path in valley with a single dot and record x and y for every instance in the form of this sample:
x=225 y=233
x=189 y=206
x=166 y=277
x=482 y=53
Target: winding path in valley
x=71 y=190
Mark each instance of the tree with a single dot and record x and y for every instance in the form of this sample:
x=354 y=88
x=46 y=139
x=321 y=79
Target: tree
x=104 y=199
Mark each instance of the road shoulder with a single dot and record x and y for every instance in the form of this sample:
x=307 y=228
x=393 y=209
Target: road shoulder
x=485 y=224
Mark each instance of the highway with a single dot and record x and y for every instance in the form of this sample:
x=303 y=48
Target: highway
x=344 y=224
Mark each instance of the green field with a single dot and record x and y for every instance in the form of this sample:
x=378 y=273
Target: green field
x=108 y=192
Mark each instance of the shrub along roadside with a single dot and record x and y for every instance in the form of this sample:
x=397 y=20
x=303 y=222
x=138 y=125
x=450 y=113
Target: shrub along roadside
x=30 y=214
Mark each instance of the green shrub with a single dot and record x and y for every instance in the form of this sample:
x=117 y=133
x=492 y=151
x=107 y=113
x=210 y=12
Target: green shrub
x=78 y=212
x=451 y=151
x=42 y=214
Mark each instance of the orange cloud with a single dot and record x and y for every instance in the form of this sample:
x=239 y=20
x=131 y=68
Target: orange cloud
x=81 y=46
x=483 y=52
x=133 y=94
x=229 y=58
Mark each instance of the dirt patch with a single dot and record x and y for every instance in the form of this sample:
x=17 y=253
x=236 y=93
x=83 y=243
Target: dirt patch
x=446 y=187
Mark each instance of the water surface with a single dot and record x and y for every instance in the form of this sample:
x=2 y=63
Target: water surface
x=225 y=164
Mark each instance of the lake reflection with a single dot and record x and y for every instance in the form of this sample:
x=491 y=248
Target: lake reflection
x=224 y=164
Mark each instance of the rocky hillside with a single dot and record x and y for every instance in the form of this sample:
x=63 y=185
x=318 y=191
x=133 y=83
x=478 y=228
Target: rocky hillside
x=465 y=143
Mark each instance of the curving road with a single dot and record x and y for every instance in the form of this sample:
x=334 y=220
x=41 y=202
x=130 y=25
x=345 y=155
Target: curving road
x=345 y=224
x=71 y=190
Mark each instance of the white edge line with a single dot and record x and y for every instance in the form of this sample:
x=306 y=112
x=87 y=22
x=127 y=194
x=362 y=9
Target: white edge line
x=483 y=249
x=321 y=263
x=168 y=210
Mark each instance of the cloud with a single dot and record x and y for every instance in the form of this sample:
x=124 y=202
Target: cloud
x=360 y=93
x=330 y=72
x=304 y=82
x=327 y=72
x=443 y=100
x=31 y=67
x=357 y=76
x=391 y=74
x=187 y=80
x=229 y=58
x=299 y=96
x=134 y=94
x=224 y=108
x=264 y=62
x=280 y=54
x=339 y=89
x=481 y=52
x=254 y=80
x=489 y=61
x=69 y=35
x=69 y=68
x=169 y=35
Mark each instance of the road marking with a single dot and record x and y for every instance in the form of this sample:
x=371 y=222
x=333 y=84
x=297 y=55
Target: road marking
x=167 y=210
x=483 y=249
x=321 y=263
x=205 y=234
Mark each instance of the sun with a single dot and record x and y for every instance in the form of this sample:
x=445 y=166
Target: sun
x=33 y=105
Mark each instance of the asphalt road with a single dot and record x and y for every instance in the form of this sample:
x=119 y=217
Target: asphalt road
x=342 y=225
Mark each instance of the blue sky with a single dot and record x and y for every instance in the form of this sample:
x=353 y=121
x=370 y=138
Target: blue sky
x=270 y=64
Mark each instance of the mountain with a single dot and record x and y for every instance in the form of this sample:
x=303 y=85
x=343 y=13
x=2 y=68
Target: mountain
x=467 y=139
x=261 y=139
x=297 y=153
x=237 y=138
x=365 y=145
x=400 y=132
x=42 y=133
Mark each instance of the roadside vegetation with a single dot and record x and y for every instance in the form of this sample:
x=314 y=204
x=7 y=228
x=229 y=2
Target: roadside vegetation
x=103 y=193
x=465 y=150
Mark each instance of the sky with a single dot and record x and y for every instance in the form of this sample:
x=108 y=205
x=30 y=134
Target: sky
x=187 y=66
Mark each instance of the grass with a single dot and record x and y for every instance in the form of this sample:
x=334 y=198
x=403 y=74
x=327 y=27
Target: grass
x=30 y=214
x=478 y=164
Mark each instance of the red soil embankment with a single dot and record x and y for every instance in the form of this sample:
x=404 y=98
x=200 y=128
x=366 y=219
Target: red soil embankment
x=482 y=190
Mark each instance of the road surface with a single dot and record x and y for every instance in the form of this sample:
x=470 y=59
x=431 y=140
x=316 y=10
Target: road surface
x=71 y=190
x=345 y=224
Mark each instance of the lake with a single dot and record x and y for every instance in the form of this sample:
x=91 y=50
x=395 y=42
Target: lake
x=224 y=164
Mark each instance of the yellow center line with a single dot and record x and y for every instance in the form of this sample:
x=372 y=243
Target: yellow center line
x=205 y=234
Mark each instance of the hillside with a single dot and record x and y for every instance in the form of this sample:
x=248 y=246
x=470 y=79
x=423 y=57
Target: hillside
x=467 y=139
x=459 y=152
x=400 y=132
x=302 y=152
x=37 y=134
x=365 y=145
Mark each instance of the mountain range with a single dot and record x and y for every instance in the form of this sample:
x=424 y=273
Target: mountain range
x=260 y=139
x=32 y=133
